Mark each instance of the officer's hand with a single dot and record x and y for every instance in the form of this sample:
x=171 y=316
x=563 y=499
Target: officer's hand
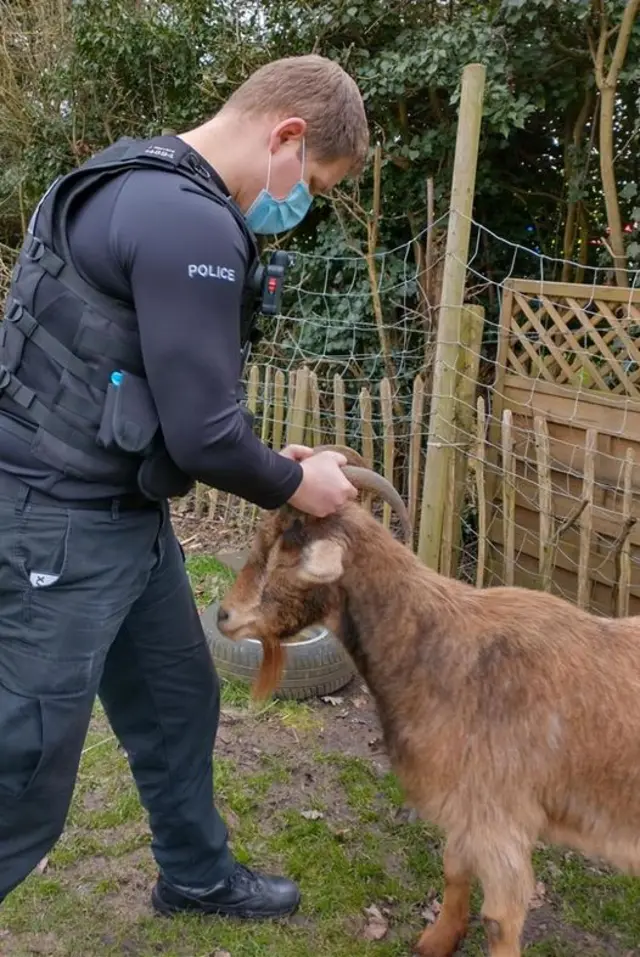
x=324 y=488
x=297 y=452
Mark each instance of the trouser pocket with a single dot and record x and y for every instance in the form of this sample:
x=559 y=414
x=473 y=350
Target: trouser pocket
x=22 y=738
x=41 y=740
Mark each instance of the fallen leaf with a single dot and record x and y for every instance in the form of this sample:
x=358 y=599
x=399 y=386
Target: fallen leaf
x=42 y=866
x=538 y=898
x=377 y=926
x=342 y=834
x=329 y=699
x=430 y=913
x=312 y=815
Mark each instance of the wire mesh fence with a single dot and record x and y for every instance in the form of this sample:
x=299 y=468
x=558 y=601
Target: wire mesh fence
x=542 y=479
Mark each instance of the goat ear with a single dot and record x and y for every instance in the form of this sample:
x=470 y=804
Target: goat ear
x=295 y=534
x=322 y=562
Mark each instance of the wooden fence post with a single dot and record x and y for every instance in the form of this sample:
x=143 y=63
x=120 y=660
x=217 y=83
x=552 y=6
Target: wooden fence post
x=623 y=558
x=300 y=407
x=467 y=365
x=441 y=424
x=415 y=448
x=278 y=410
x=252 y=403
x=546 y=544
x=388 y=441
x=508 y=498
x=366 y=415
x=586 y=519
x=481 y=495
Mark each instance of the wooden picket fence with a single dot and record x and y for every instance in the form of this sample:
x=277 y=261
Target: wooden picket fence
x=298 y=407
x=293 y=408
x=579 y=540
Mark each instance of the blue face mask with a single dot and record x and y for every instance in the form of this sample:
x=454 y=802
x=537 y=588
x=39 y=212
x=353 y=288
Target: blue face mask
x=270 y=215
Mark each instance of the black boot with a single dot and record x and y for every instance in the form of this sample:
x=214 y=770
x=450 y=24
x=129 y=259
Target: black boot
x=243 y=894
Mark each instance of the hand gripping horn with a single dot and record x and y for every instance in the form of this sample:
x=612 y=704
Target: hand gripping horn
x=365 y=479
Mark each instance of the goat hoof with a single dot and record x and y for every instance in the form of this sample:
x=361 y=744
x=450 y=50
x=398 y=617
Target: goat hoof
x=439 y=942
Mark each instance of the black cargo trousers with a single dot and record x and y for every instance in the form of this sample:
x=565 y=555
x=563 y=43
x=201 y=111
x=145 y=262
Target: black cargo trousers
x=98 y=602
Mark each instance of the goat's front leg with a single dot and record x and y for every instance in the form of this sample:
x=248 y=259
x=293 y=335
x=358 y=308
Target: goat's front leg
x=507 y=882
x=443 y=938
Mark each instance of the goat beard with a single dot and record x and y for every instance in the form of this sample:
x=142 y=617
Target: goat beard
x=271 y=668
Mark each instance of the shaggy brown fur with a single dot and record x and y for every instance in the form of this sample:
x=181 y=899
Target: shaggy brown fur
x=509 y=715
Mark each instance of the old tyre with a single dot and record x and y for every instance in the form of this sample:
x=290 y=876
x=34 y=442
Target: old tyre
x=315 y=662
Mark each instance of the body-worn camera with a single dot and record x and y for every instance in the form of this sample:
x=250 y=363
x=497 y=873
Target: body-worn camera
x=270 y=282
x=265 y=296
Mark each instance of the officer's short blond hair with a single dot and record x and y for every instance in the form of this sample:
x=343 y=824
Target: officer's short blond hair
x=319 y=91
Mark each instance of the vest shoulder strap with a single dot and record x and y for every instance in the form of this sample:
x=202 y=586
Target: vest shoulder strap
x=47 y=241
x=169 y=154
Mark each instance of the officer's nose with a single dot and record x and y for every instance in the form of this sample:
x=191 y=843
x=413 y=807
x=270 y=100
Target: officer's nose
x=223 y=615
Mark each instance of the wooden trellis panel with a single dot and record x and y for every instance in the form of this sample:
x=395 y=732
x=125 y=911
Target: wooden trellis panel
x=577 y=335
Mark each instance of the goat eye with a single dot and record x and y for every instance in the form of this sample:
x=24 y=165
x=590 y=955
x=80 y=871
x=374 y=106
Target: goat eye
x=294 y=535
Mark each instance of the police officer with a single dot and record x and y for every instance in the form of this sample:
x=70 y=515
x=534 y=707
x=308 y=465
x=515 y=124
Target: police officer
x=120 y=357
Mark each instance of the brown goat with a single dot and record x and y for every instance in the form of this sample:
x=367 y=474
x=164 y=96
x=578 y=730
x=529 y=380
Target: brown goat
x=509 y=715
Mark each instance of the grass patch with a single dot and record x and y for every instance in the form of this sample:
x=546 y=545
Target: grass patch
x=341 y=871
x=592 y=897
x=209 y=578
x=292 y=714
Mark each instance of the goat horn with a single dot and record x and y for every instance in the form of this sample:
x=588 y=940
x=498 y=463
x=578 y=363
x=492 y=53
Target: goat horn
x=366 y=480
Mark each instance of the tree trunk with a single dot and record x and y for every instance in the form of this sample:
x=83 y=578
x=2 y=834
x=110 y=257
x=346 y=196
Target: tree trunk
x=609 y=185
x=607 y=82
x=571 y=228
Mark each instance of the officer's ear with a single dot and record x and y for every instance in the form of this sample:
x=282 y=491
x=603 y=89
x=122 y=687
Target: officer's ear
x=294 y=129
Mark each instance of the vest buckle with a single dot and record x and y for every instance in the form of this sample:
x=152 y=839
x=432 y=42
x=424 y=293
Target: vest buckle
x=192 y=162
x=14 y=312
x=35 y=249
x=5 y=378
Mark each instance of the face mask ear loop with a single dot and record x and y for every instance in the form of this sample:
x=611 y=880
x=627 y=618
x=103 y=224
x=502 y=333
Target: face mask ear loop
x=304 y=158
x=269 y=171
